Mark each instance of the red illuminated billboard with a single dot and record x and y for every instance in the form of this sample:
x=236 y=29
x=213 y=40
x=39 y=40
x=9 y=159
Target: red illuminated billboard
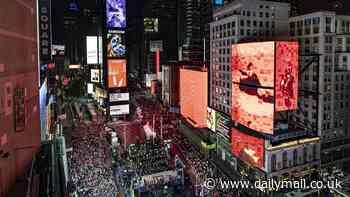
x=286 y=76
x=253 y=107
x=116 y=73
x=253 y=64
x=265 y=81
x=194 y=96
x=248 y=148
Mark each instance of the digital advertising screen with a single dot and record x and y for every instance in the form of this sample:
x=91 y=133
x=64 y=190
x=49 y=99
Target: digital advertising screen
x=211 y=119
x=57 y=50
x=116 y=97
x=91 y=50
x=223 y=124
x=116 y=44
x=119 y=110
x=116 y=14
x=253 y=64
x=218 y=2
x=156 y=45
x=42 y=107
x=287 y=69
x=253 y=107
x=95 y=75
x=248 y=148
x=150 y=24
x=194 y=96
x=116 y=73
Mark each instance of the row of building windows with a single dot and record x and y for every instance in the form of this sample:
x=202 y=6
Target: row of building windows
x=245 y=32
x=345 y=25
x=294 y=162
x=250 y=13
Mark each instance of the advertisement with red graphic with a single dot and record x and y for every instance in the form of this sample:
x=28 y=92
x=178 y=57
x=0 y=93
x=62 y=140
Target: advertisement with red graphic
x=116 y=73
x=286 y=76
x=253 y=64
x=248 y=148
x=253 y=107
x=194 y=96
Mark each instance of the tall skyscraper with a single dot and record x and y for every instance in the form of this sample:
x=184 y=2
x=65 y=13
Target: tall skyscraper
x=19 y=91
x=262 y=140
x=159 y=32
x=194 y=17
x=325 y=45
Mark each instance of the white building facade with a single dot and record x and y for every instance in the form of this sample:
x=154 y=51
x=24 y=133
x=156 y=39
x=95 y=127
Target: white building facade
x=325 y=36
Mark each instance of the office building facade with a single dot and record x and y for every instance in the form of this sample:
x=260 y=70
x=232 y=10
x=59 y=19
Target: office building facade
x=19 y=91
x=324 y=46
x=237 y=22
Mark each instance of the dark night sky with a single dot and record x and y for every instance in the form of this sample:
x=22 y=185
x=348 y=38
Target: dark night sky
x=306 y=6
x=341 y=6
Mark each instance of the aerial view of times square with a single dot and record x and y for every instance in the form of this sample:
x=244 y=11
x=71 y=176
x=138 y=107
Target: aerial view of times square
x=174 y=98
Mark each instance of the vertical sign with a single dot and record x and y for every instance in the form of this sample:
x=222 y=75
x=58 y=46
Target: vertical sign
x=157 y=61
x=91 y=50
x=44 y=31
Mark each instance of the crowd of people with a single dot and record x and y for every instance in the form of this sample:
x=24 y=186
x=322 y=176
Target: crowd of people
x=90 y=163
x=90 y=168
x=148 y=158
x=199 y=168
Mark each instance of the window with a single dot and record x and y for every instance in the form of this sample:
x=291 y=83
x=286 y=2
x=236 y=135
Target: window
x=248 y=13
x=248 y=32
x=267 y=15
x=242 y=32
x=273 y=163
x=248 y=23
x=233 y=23
x=242 y=23
x=314 y=152
x=328 y=24
x=307 y=24
x=300 y=28
x=292 y=29
x=261 y=24
x=254 y=23
x=285 y=159
x=267 y=24
x=295 y=157
x=261 y=14
x=305 y=154
x=316 y=20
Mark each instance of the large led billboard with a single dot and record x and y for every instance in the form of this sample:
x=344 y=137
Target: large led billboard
x=150 y=24
x=194 y=96
x=116 y=73
x=248 y=148
x=253 y=107
x=265 y=81
x=91 y=50
x=116 y=44
x=286 y=76
x=116 y=14
x=253 y=64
